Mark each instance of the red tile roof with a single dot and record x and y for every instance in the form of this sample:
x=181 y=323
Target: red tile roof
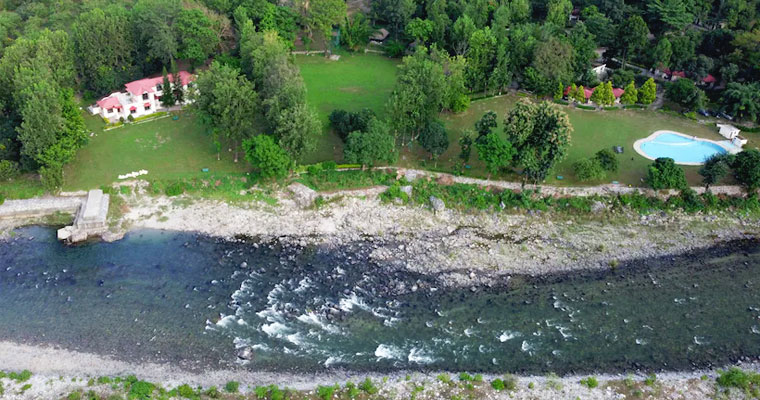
x=109 y=103
x=146 y=85
x=617 y=92
x=587 y=92
x=709 y=79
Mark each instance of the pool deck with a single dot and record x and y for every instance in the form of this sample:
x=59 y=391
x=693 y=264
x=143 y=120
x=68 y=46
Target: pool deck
x=724 y=144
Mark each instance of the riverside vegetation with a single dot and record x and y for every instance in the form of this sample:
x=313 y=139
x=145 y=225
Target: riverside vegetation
x=731 y=383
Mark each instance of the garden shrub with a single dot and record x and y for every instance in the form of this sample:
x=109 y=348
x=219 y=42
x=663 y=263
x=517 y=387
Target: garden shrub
x=497 y=384
x=607 y=160
x=329 y=165
x=327 y=392
x=588 y=169
x=186 y=391
x=368 y=387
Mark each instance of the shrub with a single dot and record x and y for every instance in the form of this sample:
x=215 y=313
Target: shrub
x=736 y=377
x=588 y=169
x=665 y=174
x=130 y=118
x=2 y=199
x=650 y=380
x=232 y=386
x=22 y=376
x=74 y=396
x=8 y=169
x=351 y=390
x=368 y=387
x=510 y=382
x=327 y=392
x=141 y=390
x=465 y=377
x=329 y=165
x=314 y=169
x=434 y=138
x=607 y=160
x=444 y=378
x=746 y=167
x=345 y=122
x=213 y=392
x=498 y=384
x=186 y=391
x=376 y=145
x=104 y=380
x=175 y=189
x=590 y=382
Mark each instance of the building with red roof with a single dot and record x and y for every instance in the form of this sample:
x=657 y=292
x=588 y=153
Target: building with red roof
x=141 y=97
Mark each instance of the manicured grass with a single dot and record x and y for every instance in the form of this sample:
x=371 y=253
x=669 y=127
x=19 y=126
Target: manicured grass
x=354 y=82
x=166 y=148
x=593 y=131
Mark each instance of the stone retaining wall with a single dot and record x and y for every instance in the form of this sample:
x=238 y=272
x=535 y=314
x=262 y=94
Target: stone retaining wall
x=36 y=207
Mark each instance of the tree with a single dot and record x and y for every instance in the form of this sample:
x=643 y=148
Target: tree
x=321 y=15
x=345 y=122
x=715 y=168
x=485 y=124
x=662 y=53
x=177 y=90
x=686 y=93
x=603 y=95
x=103 y=64
x=376 y=145
x=481 y=55
x=418 y=95
x=746 y=167
x=558 y=12
x=559 y=91
x=420 y=29
x=437 y=14
x=673 y=13
x=195 y=36
x=607 y=160
x=633 y=35
x=465 y=145
x=588 y=169
x=630 y=95
x=665 y=174
x=648 y=92
x=584 y=48
x=580 y=94
x=461 y=34
x=355 y=32
x=226 y=103
x=553 y=59
x=396 y=13
x=167 y=98
x=495 y=152
x=269 y=159
x=540 y=134
x=434 y=139
x=152 y=22
x=742 y=100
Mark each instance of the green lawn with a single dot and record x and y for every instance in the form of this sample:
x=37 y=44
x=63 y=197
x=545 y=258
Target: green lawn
x=354 y=82
x=593 y=130
x=166 y=148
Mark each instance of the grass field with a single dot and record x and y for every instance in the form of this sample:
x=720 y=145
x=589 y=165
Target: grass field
x=354 y=82
x=166 y=148
x=593 y=131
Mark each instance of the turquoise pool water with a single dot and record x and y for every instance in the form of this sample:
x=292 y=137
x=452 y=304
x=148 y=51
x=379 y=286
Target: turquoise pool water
x=679 y=148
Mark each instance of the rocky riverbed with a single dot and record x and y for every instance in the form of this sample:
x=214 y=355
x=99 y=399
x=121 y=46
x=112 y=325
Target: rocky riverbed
x=465 y=245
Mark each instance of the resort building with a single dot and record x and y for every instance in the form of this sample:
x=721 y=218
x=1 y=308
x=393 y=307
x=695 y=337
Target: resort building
x=732 y=133
x=141 y=97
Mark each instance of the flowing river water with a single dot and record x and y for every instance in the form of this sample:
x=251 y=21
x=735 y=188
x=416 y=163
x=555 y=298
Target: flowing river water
x=197 y=301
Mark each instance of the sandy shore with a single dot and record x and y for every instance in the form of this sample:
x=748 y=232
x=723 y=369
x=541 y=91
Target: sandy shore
x=57 y=372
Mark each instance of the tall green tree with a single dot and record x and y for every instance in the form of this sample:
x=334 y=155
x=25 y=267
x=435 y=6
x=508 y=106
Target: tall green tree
x=267 y=157
x=630 y=95
x=152 y=24
x=395 y=13
x=461 y=34
x=495 y=152
x=104 y=47
x=553 y=59
x=540 y=134
x=558 y=12
x=648 y=92
x=742 y=100
x=684 y=92
x=321 y=15
x=434 y=139
x=486 y=124
x=662 y=53
x=167 y=97
x=418 y=95
x=674 y=14
x=715 y=168
x=746 y=167
x=196 y=37
x=663 y=173
x=355 y=32
x=481 y=56
x=633 y=35
x=376 y=145
x=227 y=103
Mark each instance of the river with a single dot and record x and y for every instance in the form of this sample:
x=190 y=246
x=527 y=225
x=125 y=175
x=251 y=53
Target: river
x=196 y=301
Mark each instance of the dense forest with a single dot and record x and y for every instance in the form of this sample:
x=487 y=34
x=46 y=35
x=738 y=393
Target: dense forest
x=56 y=52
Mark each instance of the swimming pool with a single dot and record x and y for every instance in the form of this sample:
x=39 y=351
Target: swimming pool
x=681 y=148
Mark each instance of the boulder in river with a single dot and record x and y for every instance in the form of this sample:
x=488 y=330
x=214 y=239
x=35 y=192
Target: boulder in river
x=245 y=353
